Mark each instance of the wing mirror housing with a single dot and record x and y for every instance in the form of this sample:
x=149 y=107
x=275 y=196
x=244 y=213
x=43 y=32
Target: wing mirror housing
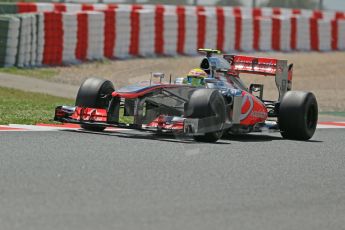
x=158 y=75
x=257 y=88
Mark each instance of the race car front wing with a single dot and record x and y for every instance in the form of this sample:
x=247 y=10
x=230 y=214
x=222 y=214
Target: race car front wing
x=163 y=123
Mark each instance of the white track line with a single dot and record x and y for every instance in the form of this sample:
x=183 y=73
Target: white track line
x=330 y=127
x=38 y=128
x=50 y=128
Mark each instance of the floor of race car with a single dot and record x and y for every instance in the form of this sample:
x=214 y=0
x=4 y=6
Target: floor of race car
x=57 y=127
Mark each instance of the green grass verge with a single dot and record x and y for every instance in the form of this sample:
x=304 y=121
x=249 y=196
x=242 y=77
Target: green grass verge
x=19 y=107
x=40 y=73
x=338 y=114
x=10 y=1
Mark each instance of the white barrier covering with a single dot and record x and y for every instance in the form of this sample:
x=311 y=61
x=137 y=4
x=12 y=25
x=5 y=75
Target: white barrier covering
x=246 y=12
x=265 y=42
x=95 y=35
x=229 y=31
x=325 y=36
x=12 y=41
x=266 y=12
x=247 y=34
x=328 y=15
x=190 y=45
x=25 y=40
x=285 y=34
x=45 y=7
x=123 y=30
x=33 y=47
x=146 y=33
x=82 y=1
x=170 y=33
x=303 y=33
x=136 y=34
x=211 y=28
x=306 y=13
x=99 y=7
x=72 y=7
x=286 y=13
x=40 y=38
x=70 y=28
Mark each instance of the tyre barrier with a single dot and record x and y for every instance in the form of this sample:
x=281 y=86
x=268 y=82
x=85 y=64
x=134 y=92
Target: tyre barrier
x=89 y=5
x=9 y=34
x=65 y=33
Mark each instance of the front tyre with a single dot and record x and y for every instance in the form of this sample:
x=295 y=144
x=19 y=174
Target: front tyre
x=205 y=103
x=94 y=93
x=298 y=115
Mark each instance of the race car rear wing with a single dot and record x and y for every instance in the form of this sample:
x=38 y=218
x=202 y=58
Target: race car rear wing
x=263 y=66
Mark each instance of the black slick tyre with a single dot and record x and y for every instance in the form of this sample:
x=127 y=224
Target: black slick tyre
x=205 y=103
x=93 y=94
x=298 y=115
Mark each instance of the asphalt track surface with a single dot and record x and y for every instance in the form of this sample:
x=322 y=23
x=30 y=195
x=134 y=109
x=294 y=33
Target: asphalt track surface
x=134 y=180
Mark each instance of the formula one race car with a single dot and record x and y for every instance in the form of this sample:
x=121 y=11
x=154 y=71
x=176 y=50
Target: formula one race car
x=223 y=104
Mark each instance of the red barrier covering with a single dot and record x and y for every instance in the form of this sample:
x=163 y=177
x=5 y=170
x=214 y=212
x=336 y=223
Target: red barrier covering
x=276 y=11
x=276 y=33
x=317 y=14
x=82 y=36
x=334 y=28
x=159 y=29
x=220 y=28
x=238 y=27
x=340 y=15
x=293 y=33
x=26 y=7
x=87 y=7
x=53 y=39
x=314 y=34
x=136 y=7
x=256 y=33
x=135 y=30
x=319 y=31
x=256 y=12
x=181 y=28
x=296 y=11
x=201 y=32
x=109 y=33
x=60 y=7
x=237 y=11
x=112 y=6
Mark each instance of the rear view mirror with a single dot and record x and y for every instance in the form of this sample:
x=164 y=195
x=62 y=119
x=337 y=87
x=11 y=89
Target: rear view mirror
x=158 y=75
x=257 y=88
x=179 y=80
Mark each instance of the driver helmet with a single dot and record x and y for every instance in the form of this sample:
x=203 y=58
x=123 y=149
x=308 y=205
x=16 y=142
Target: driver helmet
x=196 y=77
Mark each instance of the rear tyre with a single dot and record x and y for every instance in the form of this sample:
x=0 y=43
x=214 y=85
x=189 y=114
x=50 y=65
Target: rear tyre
x=93 y=93
x=298 y=115
x=204 y=103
